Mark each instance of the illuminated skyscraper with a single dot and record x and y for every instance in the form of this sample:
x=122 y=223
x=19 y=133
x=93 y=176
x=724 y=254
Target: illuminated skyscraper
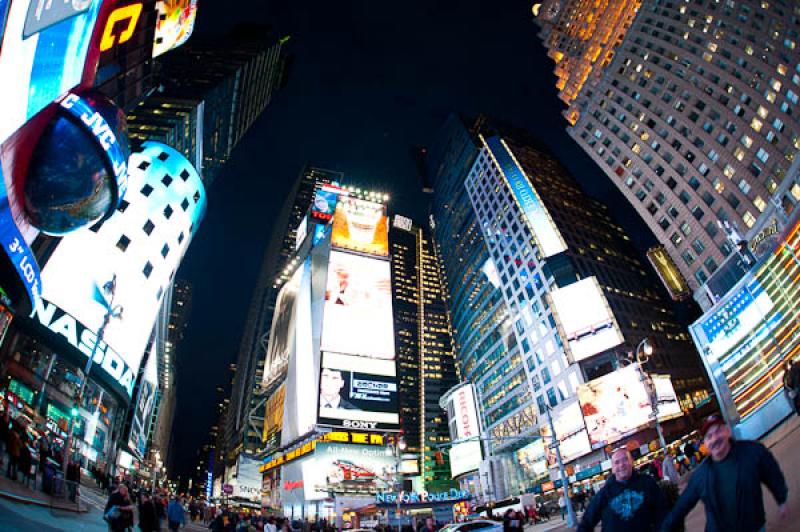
x=424 y=345
x=245 y=404
x=693 y=121
x=533 y=254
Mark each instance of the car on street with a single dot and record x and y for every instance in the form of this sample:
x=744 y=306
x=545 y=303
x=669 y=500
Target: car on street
x=484 y=525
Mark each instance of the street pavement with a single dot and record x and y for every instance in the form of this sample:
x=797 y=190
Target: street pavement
x=783 y=442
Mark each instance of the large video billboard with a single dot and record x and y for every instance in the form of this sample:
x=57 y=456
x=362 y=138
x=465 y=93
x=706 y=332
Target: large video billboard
x=361 y=226
x=273 y=419
x=141 y=248
x=462 y=415
x=145 y=404
x=570 y=432
x=347 y=468
x=615 y=405
x=283 y=329
x=538 y=218
x=358 y=307
x=668 y=406
x=358 y=392
x=585 y=318
x=174 y=24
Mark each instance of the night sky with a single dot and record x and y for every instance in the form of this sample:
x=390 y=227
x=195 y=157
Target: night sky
x=369 y=81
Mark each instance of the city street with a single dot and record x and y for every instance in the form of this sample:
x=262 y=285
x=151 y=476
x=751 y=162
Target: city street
x=783 y=443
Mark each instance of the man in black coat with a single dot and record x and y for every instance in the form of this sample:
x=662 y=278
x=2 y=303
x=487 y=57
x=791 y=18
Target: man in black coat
x=629 y=501
x=729 y=483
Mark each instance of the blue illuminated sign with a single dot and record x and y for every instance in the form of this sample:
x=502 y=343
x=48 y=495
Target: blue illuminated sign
x=17 y=249
x=412 y=497
x=98 y=126
x=544 y=231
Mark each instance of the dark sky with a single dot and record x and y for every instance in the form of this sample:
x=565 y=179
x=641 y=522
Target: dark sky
x=370 y=80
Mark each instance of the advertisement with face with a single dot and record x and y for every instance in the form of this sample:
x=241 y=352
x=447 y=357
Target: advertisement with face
x=585 y=318
x=362 y=226
x=358 y=307
x=282 y=333
x=174 y=25
x=342 y=468
x=570 y=432
x=273 y=419
x=357 y=392
x=614 y=406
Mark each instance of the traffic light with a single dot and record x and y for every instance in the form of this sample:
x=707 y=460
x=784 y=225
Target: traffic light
x=439 y=457
x=73 y=411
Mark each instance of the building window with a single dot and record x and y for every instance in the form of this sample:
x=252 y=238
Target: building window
x=148 y=269
x=676 y=239
x=688 y=258
x=711 y=265
x=701 y=276
x=698 y=246
x=148 y=227
x=123 y=243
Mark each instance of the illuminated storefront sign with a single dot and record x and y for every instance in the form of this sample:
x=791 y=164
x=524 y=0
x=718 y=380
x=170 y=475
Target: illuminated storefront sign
x=462 y=415
x=358 y=438
x=541 y=225
x=747 y=336
x=111 y=36
x=412 y=497
x=669 y=273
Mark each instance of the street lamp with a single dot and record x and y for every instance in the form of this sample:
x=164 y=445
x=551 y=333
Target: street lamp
x=112 y=311
x=555 y=445
x=643 y=352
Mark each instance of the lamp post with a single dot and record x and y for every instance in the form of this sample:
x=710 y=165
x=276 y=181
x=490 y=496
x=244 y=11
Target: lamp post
x=555 y=445
x=643 y=352
x=112 y=311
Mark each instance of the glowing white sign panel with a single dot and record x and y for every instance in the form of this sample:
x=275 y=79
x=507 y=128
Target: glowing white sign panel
x=570 y=432
x=586 y=319
x=668 y=405
x=462 y=414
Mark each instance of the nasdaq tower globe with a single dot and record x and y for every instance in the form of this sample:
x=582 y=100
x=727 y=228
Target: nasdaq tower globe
x=78 y=171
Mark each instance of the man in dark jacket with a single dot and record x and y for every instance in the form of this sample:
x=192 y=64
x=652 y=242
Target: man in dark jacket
x=629 y=501
x=729 y=483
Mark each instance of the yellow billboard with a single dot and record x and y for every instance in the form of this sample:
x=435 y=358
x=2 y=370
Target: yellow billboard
x=362 y=226
x=273 y=418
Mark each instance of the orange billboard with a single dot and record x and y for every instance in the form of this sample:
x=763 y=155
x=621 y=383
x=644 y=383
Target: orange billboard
x=362 y=226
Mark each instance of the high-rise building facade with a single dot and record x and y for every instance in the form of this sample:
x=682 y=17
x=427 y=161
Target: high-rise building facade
x=246 y=415
x=693 y=120
x=424 y=345
x=235 y=77
x=546 y=242
x=177 y=122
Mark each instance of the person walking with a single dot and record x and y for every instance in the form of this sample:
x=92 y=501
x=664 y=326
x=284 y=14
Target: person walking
x=791 y=384
x=14 y=450
x=148 y=518
x=118 y=512
x=562 y=506
x=629 y=501
x=176 y=515
x=729 y=483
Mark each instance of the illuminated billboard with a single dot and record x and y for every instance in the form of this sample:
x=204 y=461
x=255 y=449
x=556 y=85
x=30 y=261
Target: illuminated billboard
x=570 y=432
x=668 y=406
x=42 y=55
x=282 y=332
x=748 y=335
x=614 y=405
x=273 y=419
x=324 y=204
x=358 y=392
x=462 y=415
x=343 y=468
x=358 y=307
x=145 y=404
x=669 y=273
x=141 y=248
x=362 y=226
x=583 y=314
x=532 y=459
x=174 y=24
x=544 y=230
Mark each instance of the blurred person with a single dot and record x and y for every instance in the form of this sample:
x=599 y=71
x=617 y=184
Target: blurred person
x=118 y=512
x=25 y=463
x=729 y=483
x=629 y=501
x=73 y=478
x=430 y=525
x=148 y=518
x=14 y=446
x=562 y=506
x=791 y=384
x=176 y=515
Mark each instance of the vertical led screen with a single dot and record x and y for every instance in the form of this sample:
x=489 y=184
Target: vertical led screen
x=324 y=205
x=358 y=307
x=273 y=419
x=361 y=226
x=174 y=25
x=541 y=225
x=570 y=432
x=462 y=416
x=668 y=405
x=614 y=405
x=141 y=248
x=747 y=337
x=282 y=333
x=585 y=318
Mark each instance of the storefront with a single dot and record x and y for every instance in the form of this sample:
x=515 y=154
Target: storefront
x=412 y=508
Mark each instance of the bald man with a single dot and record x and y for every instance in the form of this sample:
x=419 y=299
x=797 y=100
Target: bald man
x=629 y=501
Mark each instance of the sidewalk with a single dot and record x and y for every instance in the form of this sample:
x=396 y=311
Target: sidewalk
x=19 y=493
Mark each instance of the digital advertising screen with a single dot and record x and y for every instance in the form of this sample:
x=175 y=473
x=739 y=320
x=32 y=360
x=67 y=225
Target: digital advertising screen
x=342 y=468
x=42 y=55
x=324 y=205
x=283 y=329
x=614 y=405
x=174 y=25
x=532 y=458
x=362 y=226
x=358 y=316
x=586 y=320
x=273 y=419
x=668 y=405
x=462 y=415
x=570 y=432
x=358 y=392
